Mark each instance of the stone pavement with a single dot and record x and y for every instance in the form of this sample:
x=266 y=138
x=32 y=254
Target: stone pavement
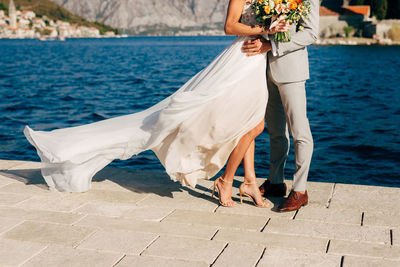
x=142 y=218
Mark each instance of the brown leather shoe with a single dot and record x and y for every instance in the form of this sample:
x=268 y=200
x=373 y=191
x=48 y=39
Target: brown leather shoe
x=294 y=201
x=273 y=190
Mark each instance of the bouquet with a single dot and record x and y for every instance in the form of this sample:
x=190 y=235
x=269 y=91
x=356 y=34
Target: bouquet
x=270 y=12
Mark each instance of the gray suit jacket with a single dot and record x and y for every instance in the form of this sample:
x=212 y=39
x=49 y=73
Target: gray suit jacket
x=291 y=62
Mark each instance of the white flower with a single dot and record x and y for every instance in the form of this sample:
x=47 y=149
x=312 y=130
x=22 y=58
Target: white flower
x=286 y=10
x=272 y=4
x=279 y=8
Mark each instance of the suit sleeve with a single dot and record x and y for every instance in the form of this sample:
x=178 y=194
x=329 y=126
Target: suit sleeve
x=303 y=38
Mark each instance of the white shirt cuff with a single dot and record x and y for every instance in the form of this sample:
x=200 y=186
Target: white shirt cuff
x=274 y=50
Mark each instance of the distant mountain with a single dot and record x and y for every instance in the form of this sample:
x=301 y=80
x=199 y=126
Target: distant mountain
x=153 y=16
x=54 y=11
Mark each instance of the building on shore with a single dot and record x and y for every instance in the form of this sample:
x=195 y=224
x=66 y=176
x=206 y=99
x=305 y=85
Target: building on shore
x=339 y=19
x=25 y=24
x=336 y=16
x=12 y=13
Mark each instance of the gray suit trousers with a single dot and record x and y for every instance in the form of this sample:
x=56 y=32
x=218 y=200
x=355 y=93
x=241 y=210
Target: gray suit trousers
x=287 y=112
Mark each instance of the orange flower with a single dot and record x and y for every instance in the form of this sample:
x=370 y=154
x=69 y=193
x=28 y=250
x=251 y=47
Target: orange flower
x=277 y=2
x=299 y=1
x=293 y=5
x=267 y=9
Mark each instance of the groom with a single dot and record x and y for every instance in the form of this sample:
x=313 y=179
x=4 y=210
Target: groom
x=287 y=72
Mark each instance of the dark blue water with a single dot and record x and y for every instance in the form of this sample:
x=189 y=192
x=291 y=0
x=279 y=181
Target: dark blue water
x=353 y=97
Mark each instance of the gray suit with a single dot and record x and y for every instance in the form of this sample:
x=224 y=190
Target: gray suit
x=287 y=110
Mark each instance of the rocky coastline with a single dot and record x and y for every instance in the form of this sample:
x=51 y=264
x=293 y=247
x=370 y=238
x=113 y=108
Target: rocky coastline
x=355 y=41
x=26 y=24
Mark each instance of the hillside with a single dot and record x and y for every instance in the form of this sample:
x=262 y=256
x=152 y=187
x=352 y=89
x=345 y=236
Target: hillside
x=154 y=17
x=169 y=17
x=55 y=12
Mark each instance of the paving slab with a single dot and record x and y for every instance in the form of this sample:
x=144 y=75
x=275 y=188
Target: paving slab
x=8 y=223
x=272 y=240
x=255 y=223
x=204 y=184
x=148 y=261
x=185 y=248
x=160 y=228
x=239 y=254
x=329 y=230
x=181 y=200
x=28 y=173
x=384 y=218
x=365 y=200
x=247 y=209
x=340 y=247
x=11 y=176
x=396 y=236
x=329 y=215
x=54 y=201
x=15 y=253
x=68 y=257
x=5 y=181
x=48 y=233
x=6 y=164
x=125 y=211
x=320 y=186
x=110 y=196
x=40 y=215
x=26 y=189
x=144 y=181
x=351 y=261
x=27 y=165
x=9 y=199
x=283 y=258
x=118 y=241
x=319 y=198
x=169 y=224
x=108 y=185
x=365 y=188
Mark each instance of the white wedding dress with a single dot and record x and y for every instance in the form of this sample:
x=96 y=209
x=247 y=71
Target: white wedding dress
x=192 y=132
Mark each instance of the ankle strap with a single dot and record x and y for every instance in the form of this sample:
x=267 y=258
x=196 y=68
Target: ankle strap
x=222 y=179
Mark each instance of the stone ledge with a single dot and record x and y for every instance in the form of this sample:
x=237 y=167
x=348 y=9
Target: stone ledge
x=149 y=261
x=194 y=218
x=329 y=230
x=269 y=240
x=340 y=247
x=142 y=218
x=350 y=261
x=185 y=248
x=284 y=258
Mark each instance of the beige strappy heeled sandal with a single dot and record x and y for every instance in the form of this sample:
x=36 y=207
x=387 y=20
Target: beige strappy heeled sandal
x=242 y=192
x=215 y=188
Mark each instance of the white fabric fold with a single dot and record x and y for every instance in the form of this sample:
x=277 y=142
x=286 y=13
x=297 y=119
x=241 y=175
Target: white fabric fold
x=192 y=132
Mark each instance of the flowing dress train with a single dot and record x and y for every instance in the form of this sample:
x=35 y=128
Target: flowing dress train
x=192 y=132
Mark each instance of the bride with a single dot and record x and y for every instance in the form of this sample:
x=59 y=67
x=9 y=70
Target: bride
x=214 y=117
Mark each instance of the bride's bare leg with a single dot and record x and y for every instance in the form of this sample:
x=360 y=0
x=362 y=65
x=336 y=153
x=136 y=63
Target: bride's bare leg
x=234 y=161
x=248 y=161
x=250 y=187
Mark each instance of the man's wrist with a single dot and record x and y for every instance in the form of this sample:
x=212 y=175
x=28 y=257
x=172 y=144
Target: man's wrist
x=266 y=46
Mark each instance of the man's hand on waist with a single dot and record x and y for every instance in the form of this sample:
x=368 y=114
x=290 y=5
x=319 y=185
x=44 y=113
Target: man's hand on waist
x=256 y=46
